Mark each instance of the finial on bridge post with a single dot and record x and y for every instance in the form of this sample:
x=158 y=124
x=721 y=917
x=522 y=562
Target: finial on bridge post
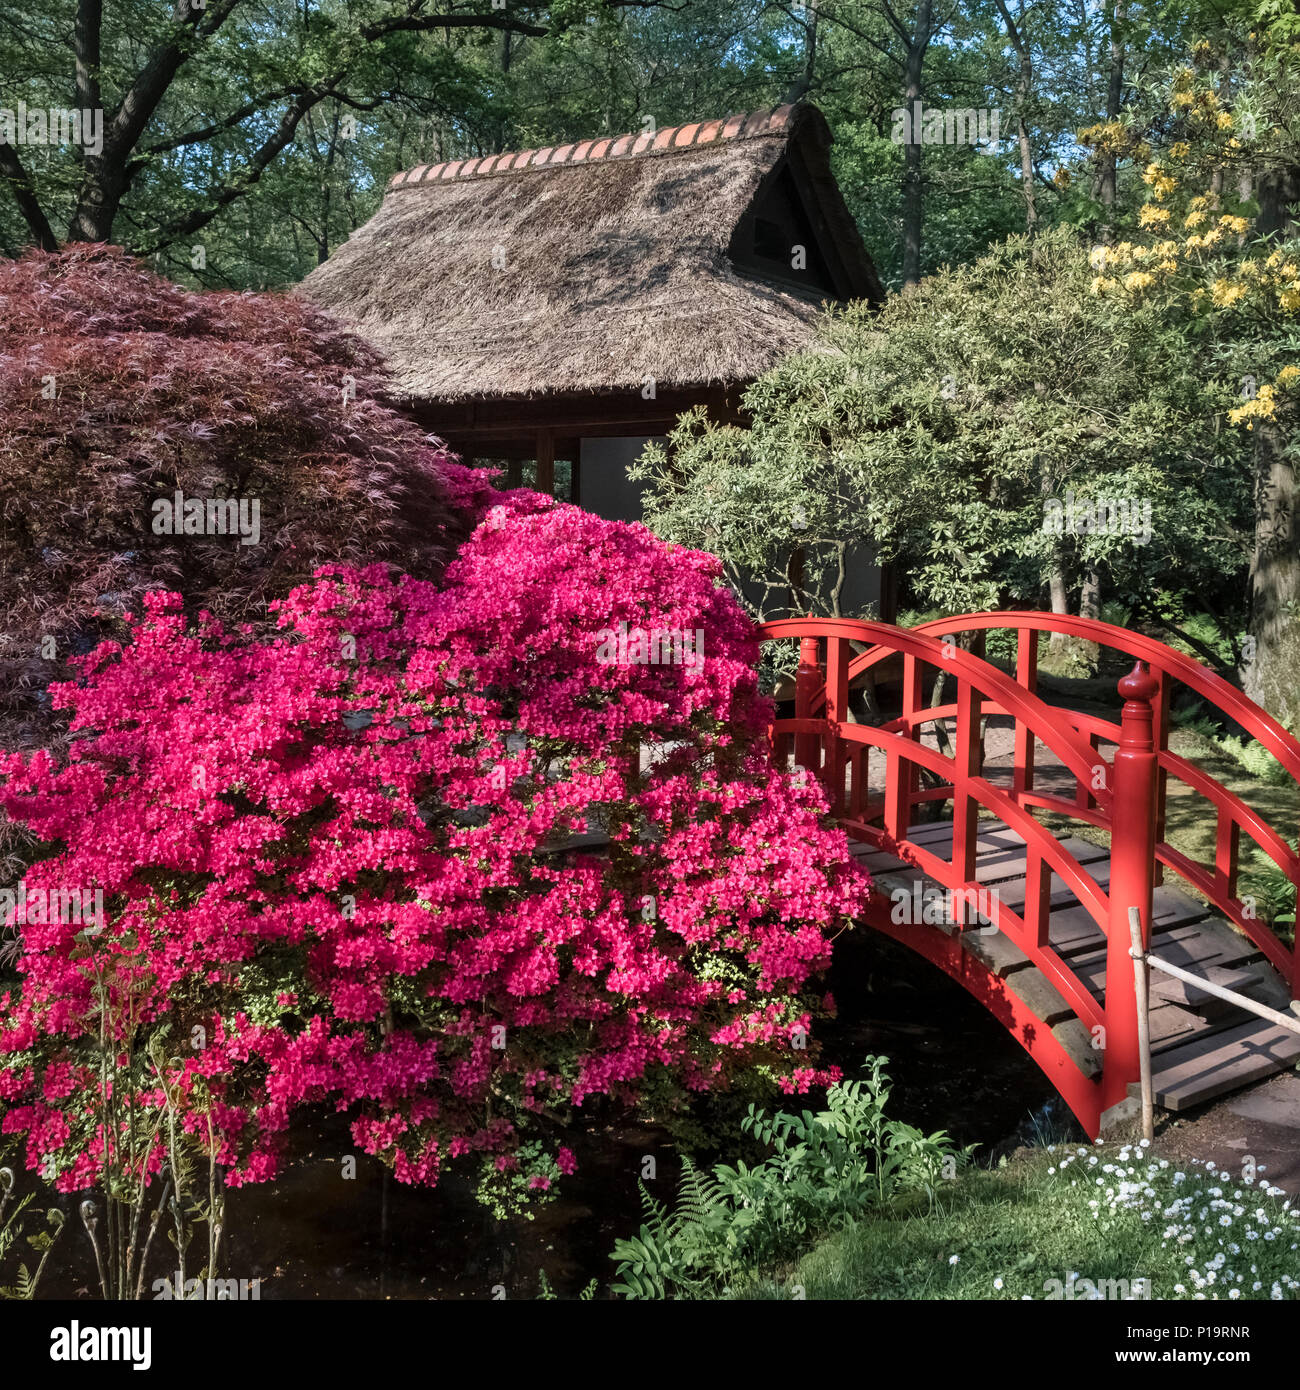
x=1139 y=684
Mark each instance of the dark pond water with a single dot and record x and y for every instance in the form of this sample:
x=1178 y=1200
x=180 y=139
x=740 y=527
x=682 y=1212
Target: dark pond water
x=313 y=1234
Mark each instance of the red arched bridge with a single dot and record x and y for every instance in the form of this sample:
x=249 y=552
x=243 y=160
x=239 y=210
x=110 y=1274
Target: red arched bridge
x=1029 y=913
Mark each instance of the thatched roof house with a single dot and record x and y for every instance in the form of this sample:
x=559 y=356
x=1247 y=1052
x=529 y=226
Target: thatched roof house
x=568 y=302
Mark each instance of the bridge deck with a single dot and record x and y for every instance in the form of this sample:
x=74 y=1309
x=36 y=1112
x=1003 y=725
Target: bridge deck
x=1201 y=1046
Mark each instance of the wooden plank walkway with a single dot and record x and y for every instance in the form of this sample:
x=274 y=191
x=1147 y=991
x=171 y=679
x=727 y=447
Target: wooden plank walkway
x=1202 y=1047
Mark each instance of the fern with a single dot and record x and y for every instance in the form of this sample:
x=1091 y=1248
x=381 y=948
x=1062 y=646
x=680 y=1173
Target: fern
x=663 y=1225
x=701 y=1197
x=822 y=1170
x=1272 y=890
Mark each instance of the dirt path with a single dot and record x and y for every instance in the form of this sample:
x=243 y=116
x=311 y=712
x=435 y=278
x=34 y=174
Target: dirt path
x=1262 y=1124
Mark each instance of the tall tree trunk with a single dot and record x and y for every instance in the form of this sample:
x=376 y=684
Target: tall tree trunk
x=1270 y=679
x=1090 y=607
x=100 y=196
x=1279 y=193
x=103 y=186
x=1059 y=598
x=1114 y=97
x=913 y=183
x=1024 y=87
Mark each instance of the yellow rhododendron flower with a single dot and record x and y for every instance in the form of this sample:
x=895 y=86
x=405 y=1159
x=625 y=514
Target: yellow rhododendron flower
x=1225 y=293
x=1263 y=407
x=1152 y=216
x=1194 y=219
x=1137 y=280
x=1180 y=149
x=1225 y=121
x=1290 y=299
x=1287 y=375
x=1101 y=284
x=1235 y=224
x=1251 y=410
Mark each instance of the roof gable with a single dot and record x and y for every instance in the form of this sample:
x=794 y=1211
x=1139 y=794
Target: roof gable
x=605 y=264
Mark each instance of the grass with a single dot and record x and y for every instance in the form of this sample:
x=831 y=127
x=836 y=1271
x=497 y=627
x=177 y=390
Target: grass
x=1191 y=823
x=1063 y=1222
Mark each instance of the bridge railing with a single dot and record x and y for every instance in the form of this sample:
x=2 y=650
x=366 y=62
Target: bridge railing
x=824 y=740
x=1237 y=824
x=1125 y=795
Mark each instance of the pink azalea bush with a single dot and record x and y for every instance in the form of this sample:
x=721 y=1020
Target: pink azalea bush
x=334 y=872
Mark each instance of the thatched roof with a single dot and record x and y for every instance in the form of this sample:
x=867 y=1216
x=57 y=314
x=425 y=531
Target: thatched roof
x=589 y=267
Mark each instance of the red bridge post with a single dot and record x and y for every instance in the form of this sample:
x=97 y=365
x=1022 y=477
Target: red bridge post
x=1132 y=875
x=807 y=682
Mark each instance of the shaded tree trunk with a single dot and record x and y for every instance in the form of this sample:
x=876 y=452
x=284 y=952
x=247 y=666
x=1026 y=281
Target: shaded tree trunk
x=1106 y=178
x=913 y=182
x=1059 y=598
x=1279 y=194
x=1024 y=87
x=1270 y=678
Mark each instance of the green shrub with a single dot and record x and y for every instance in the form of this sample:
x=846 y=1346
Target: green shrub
x=823 y=1172
x=1273 y=892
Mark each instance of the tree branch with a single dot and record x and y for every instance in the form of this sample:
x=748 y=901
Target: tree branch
x=223 y=194
x=19 y=183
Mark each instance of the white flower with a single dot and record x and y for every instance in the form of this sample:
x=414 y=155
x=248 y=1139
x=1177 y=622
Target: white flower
x=952 y=1259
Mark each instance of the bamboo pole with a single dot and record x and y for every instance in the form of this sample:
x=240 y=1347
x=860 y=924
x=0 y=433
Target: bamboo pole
x=1141 y=988
x=1241 y=1000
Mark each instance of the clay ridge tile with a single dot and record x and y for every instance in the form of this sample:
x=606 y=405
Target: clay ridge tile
x=741 y=125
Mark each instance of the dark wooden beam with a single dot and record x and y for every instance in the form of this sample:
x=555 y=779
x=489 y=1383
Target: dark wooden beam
x=545 y=457
x=510 y=424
